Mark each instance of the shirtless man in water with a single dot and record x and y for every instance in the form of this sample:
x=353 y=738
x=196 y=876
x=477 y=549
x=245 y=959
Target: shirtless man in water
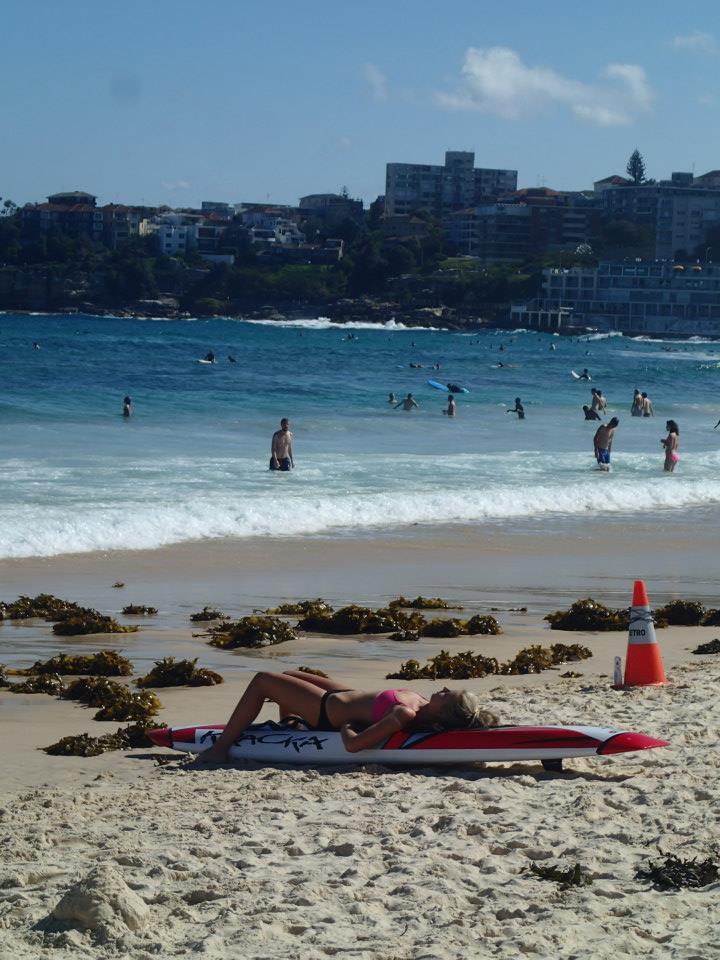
x=408 y=403
x=281 y=455
x=602 y=442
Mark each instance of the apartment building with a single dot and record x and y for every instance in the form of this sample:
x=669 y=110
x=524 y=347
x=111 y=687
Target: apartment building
x=440 y=190
x=332 y=208
x=679 y=210
x=635 y=296
x=75 y=214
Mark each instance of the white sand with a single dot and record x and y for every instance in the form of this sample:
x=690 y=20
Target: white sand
x=368 y=863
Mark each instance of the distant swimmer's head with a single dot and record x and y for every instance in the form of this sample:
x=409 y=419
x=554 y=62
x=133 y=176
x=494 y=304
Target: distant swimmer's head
x=614 y=422
x=586 y=408
x=518 y=400
x=284 y=424
x=453 y=709
x=409 y=396
x=672 y=427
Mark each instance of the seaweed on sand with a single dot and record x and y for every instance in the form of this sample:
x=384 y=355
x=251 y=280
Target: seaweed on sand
x=4 y=682
x=83 y=745
x=349 y=620
x=588 y=614
x=674 y=873
x=106 y=663
x=576 y=876
x=444 y=628
x=137 y=610
x=116 y=701
x=119 y=584
x=303 y=608
x=207 y=614
x=405 y=636
x=256 y=631
x=313 y=671
x=41 y=683
x=422 y=603
x=712 y=646
x=467 y=665
x=45 y=605
x=86 y=620
x=711 y=618
x=485 y=625
x=682 y=613
x=170 y=672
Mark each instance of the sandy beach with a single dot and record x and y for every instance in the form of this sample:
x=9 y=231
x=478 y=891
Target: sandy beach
x=254 y=862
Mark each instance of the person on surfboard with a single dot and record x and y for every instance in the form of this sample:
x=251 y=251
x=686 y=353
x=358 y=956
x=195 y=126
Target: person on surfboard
x=365 y=719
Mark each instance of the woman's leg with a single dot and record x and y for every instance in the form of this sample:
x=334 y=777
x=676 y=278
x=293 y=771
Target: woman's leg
x=325 y=683
x=292 y=694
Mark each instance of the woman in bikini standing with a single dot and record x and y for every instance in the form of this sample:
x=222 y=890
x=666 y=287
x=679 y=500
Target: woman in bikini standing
x=364 y=719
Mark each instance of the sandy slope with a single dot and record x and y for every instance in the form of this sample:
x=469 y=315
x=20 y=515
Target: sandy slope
x=364 y=863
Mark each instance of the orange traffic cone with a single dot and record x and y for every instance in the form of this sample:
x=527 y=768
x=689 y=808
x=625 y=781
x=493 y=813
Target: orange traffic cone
x=643 y=667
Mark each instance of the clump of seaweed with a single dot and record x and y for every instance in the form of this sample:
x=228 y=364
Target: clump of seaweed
x=711 y=618
x=468 y=665
x=682 y=613
x=170 y=672
x=4 y=682
x=85 y=620
x=405 y=636
x=589 y=615
x=422 y=603
x=482 y=625
x=461 y=666
x=674 y=873
x=116 y=701
x=256 y=631
x=137 y=610
x=119 y=584
x=106 y=663
x=712 y=646
x=444 y=628
x=313 y=671
x=352 y=619
x=303 y=608
x=44 y=605
x=207 y=614
x=576 y=876
x=83 y=745
x=570 y=675
x=41 y=683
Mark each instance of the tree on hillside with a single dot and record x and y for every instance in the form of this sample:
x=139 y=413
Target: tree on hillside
x=636 y=167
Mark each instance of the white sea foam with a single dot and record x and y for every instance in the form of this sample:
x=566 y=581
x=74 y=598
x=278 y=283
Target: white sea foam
x=105 y=526
x=325 y=323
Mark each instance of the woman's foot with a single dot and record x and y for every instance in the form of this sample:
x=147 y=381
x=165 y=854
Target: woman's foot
x=215 y=754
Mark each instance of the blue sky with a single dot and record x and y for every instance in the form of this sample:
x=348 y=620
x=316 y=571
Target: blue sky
x=176 y=101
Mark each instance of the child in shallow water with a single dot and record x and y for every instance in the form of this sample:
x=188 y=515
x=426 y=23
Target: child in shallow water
x=364 y=719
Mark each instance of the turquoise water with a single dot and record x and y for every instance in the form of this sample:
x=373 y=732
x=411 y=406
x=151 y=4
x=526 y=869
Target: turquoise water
x=192 y=460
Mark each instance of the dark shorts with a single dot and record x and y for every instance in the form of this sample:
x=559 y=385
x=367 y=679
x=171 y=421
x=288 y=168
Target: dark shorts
x=603 y=455
x=283 y=464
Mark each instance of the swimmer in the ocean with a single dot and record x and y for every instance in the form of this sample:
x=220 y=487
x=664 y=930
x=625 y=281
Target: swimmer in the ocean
x=602 y=443
x=408 y=403
x=636 y=408
x=518 y=409
x=451 y=407
x=232 y=359
x=671 y=443
x=391 y=398
x=127 y=406
x=36 y=344
x=591 y=414
x=585 y=375
x=647 y=407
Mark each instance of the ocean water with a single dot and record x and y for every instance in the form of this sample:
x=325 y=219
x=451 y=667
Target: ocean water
x=192 y=461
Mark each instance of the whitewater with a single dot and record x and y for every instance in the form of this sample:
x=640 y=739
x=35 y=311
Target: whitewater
x=191 y=463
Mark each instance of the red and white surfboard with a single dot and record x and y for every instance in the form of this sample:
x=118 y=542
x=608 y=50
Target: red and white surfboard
x=273 y=743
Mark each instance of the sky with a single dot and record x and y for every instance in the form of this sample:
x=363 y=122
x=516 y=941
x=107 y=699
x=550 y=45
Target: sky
x=175 y=101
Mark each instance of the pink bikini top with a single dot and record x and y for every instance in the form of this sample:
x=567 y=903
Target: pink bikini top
x=385 y=701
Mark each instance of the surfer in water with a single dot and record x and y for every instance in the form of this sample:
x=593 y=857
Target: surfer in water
x=408 y=403
x=518 y=409
x=210 y=357
x=365 y=719
x=127 y=406
x=585 y=375
x=671 y=442
x=602 y=443
x=281 y=454
x=451 y=407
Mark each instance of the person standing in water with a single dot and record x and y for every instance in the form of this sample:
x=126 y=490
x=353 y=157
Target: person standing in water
x=671 y=443
x=408 y=403
x=451 y=407
x=636 y=408
x=281 y=454
x=602 y=443
x=518 y=409
x=391 y=398
x=599 y=402
x=647 y=407
x=127 y=406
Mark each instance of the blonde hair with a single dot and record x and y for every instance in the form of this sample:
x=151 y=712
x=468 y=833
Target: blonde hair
x=463 y=710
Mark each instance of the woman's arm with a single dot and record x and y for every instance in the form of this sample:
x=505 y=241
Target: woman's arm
x=397 y=719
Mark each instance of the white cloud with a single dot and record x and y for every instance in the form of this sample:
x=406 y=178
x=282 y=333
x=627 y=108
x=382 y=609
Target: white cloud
x=695 y=40
x=377 y=81
x=175 y=184
x=496 y=80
